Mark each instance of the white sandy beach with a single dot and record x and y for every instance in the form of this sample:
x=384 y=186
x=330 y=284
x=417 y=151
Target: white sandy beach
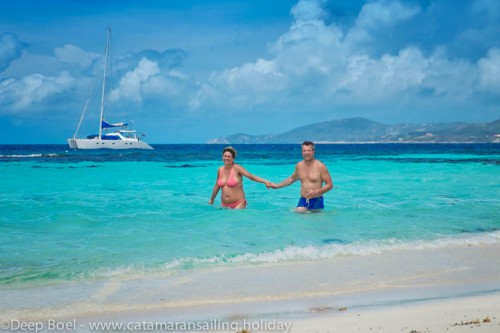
x=447 y=289
x=479 y=313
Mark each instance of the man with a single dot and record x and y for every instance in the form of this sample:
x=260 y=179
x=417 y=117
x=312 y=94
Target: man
x=312 y=174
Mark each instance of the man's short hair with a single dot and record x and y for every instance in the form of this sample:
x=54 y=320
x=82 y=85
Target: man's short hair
x=308 y=143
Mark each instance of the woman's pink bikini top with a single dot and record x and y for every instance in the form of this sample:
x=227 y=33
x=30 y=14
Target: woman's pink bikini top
x=231 y=181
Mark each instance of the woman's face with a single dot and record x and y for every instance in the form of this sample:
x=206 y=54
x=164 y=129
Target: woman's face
x=227 y=158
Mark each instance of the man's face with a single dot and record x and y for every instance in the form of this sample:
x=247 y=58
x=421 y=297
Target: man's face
x=307 y=152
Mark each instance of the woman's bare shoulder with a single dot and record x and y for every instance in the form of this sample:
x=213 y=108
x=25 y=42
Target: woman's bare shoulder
x=238 y=168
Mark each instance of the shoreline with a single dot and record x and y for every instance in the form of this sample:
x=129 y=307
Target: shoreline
x=359 y=288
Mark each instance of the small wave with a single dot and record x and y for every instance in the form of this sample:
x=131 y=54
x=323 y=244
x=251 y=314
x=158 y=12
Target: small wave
x=29 y=155
x=334 y=249
x=330 y=250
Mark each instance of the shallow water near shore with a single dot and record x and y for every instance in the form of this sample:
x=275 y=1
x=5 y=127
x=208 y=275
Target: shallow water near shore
x=81 y=216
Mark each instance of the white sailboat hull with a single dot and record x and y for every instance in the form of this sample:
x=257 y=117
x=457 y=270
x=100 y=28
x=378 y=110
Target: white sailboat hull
x=107 y=144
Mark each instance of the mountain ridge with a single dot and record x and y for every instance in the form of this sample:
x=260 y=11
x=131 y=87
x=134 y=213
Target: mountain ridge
x=363 y=130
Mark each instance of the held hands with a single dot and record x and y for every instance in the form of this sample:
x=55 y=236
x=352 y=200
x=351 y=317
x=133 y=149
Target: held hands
x=270 y=185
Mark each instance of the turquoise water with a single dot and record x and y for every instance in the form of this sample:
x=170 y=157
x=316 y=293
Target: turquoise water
x=75 y=215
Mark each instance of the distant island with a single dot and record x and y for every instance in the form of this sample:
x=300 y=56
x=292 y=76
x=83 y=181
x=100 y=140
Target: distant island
x=362 y=130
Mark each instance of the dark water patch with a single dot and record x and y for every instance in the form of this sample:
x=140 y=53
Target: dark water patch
x=85 y=166
x=333 y=241
x=430 y=160
x=64 y=167
x=268 y=154
x=496 y=162
x=184 y=166
x=479 y=230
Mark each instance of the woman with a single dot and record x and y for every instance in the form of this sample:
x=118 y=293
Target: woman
x=230 y=180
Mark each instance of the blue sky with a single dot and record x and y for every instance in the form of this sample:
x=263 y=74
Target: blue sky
x=188 y=71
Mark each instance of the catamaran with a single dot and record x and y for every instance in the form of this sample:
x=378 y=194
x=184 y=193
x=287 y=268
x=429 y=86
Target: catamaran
x=122 y=138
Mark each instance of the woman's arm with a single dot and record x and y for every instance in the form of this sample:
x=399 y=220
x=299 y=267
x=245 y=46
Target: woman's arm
x=255 y=178
x=215 y=190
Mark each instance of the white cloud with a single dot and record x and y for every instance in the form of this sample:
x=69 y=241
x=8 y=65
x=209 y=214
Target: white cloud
x=11 y=49
x=130 y=87
x=376 y=15
x=489 y=71
x=32 y=89
x=170 y=88
x=73 y=54
x=308 y=10
x=489 y=7
x=315 y=65
x=256 y=80
x=309 y=46
x=452 y=80
x=384 y=77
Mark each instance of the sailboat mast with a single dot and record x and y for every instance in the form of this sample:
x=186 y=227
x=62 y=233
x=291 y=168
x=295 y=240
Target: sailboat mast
x=103 y=93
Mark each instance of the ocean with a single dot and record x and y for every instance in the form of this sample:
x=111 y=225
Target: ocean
x=70 y=215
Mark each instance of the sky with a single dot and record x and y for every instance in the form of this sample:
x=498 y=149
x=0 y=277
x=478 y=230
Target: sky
x=188 y=71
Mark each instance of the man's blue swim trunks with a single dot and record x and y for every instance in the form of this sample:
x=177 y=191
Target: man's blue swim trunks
x=312 y=204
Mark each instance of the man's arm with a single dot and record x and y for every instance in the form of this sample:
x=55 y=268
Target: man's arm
x=327 y=179
x=290 y=180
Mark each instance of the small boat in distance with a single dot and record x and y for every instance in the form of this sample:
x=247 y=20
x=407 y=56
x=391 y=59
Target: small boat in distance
x=123 y=138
